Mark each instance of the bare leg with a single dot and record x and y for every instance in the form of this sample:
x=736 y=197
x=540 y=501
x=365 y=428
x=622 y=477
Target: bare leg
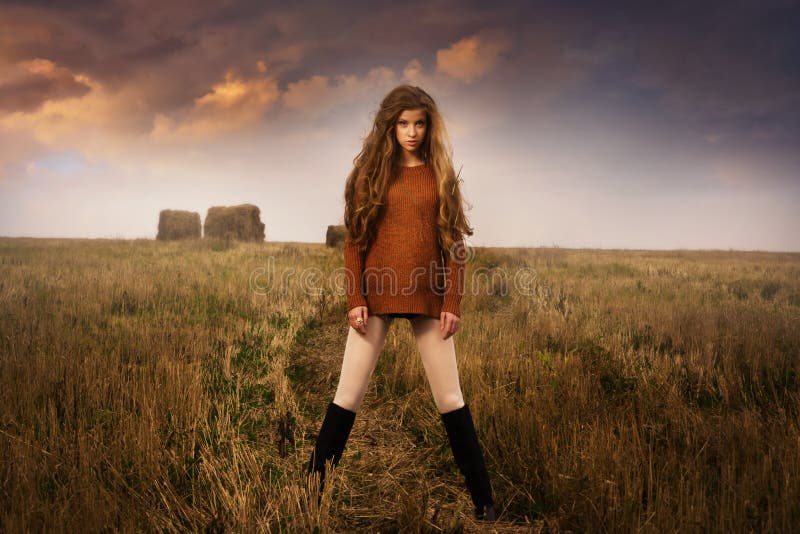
x=360 y=356
x=439 y=361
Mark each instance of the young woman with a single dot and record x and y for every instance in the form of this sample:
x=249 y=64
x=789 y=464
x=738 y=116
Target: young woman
x=404 y=257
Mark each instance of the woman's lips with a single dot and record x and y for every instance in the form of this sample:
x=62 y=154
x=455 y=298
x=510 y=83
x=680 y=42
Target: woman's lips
x=411 y=142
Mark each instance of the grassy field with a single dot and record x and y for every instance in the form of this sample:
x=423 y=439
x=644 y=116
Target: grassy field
x=146 y=386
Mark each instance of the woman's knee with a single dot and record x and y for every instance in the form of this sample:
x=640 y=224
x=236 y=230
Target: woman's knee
x=450 y=401
x=351 y=402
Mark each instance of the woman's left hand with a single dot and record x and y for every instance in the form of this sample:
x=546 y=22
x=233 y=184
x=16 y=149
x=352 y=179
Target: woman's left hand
x=448 y=324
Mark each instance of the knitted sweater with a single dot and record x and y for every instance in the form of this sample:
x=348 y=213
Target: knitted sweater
x=404 y=268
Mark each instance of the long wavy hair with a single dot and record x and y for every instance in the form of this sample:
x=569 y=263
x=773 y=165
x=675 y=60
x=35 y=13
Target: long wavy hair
x=379 y=162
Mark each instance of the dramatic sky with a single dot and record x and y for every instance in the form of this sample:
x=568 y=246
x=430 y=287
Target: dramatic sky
x=632 y=124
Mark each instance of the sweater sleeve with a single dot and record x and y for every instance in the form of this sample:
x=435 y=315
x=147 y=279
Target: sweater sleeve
x=354 y=269
x=455 y=268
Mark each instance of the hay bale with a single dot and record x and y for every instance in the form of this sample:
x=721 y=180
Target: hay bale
x=335 y=235
x=241 y=223
x=178 y=224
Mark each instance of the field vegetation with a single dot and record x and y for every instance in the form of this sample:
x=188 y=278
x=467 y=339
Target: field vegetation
x=151 y=385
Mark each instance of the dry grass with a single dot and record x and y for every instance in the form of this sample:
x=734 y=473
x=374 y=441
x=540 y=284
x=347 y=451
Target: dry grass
x=144 y=386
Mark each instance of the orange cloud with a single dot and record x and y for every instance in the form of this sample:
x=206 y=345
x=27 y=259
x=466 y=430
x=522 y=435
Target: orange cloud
x=318 y=94
x=412 y=72
x=27 y=85
x=230 y=105
x=302 y=94
x=59 y=119
x=91 y=123
x=472 y=57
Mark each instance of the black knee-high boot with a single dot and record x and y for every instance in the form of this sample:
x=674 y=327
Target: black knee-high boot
x=331 y=440
x=469 y=458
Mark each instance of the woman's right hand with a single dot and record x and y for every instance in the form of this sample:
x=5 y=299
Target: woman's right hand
x=359 y=312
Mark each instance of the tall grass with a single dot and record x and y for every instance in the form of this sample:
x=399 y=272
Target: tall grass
x=145 y=386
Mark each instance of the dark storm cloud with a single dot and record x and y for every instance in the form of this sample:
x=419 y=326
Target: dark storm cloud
x=728 y=67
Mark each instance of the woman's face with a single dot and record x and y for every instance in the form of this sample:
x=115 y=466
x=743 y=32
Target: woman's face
x=412 y=124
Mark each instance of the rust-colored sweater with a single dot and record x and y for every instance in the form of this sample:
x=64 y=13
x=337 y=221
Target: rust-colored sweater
x=404 y=269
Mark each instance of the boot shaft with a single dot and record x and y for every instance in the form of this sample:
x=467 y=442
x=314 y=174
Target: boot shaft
x=468 y=455
x=332 y=437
